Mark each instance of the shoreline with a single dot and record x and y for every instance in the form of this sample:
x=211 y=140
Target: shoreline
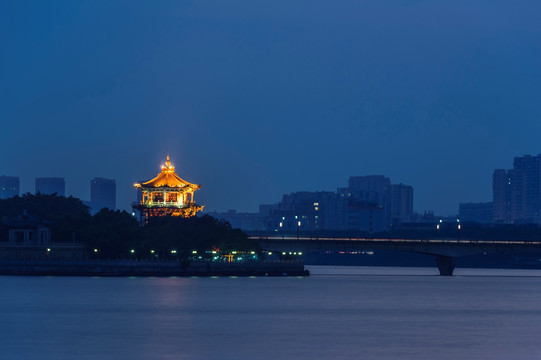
x=123 y=268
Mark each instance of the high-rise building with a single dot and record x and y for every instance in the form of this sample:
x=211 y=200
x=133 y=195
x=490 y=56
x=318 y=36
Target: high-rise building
x=401 y=204
x=481 y=213
x=527 y=187
x=372 y=189
x=501 y=196
x=9 y=186
x=517 y=192
x=369 y=203
x=364 y=216
x=51 y=185
x=304 y=210
x=102 y=194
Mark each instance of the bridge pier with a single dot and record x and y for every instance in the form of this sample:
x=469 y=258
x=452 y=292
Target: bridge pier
x=446 y=264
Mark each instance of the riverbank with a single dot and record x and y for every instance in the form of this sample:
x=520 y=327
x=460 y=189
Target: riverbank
x=151 y=268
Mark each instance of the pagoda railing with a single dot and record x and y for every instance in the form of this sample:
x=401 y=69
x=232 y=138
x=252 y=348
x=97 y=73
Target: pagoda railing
x=164 y=203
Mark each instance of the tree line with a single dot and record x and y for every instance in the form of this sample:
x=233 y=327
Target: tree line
x=118 y=234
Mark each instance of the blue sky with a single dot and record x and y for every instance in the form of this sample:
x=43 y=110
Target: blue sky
x=254 y=99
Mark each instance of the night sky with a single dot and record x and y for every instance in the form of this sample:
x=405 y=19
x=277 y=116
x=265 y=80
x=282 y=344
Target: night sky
x=254 y=99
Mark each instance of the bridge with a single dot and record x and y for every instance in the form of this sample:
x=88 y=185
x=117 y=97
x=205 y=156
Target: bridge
x=446 y=251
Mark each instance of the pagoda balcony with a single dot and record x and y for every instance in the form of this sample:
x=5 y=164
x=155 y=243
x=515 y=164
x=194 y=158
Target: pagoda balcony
x=164 y=203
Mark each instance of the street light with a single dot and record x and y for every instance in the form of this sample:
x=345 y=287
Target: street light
x=458 y=230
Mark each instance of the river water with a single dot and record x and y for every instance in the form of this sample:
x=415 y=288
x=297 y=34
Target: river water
x=337 y=313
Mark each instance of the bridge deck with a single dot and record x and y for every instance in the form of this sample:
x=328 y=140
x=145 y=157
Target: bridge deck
x=408 y=241
x=445 y=250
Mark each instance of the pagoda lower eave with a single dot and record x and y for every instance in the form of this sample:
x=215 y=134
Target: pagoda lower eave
x=151 y=211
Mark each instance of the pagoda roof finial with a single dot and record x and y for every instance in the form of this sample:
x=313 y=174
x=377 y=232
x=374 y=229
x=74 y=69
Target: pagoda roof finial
x=168 y=165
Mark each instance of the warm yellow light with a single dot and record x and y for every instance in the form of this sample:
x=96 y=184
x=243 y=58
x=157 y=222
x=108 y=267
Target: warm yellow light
x=176 y=201
x=95 y=250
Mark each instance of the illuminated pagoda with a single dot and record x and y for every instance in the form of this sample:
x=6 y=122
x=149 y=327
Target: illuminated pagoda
x=167 y=194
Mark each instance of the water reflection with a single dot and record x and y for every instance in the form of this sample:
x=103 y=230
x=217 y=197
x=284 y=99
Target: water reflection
x=337 y=313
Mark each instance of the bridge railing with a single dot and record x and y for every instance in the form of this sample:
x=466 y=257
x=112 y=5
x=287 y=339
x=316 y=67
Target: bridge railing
x=392 y=240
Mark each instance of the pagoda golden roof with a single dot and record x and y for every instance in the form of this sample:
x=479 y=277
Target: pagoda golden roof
x=168 y=178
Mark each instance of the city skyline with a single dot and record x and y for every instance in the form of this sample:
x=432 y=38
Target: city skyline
x=258 y=100
x=375 y=183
